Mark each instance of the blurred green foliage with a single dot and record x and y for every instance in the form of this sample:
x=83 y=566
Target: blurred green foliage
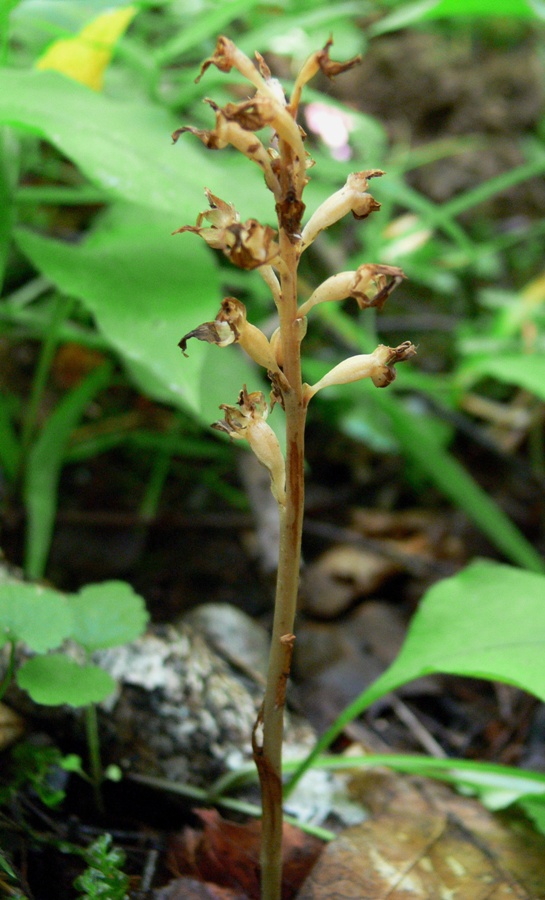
x=91 y=189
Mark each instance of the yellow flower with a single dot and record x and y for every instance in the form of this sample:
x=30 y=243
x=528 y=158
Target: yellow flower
x=86 y=56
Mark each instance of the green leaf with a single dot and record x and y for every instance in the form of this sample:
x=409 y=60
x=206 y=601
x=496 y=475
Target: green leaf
x=409 y=14
x=9 y=164
x=39 y=617
x=146 y=289
x=207 y=21
x=123 y=147
x=126 y=148
x=106 y=615
x=44 y=468
x=480 y=8
x=56 y=680
x=488 y=621
x=525 y=370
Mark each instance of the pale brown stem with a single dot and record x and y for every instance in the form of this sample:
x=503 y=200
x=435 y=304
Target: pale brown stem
x=269 y=755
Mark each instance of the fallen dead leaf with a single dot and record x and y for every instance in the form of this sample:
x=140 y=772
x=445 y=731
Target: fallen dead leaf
x=341 y=575
x=426 y=842
x=193 y=889
x=226 y=854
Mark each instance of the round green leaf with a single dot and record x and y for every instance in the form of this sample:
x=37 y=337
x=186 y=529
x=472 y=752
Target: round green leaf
x=106 y=615
x=56 y=680
x=39 y=617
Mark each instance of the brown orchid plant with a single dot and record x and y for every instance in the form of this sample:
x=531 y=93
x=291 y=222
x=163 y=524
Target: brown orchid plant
x=275 y=254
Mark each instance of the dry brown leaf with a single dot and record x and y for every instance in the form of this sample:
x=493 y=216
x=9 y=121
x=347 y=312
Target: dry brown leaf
x=193 y=889
x=227 y=854
x=340 y=575
x=426 y=842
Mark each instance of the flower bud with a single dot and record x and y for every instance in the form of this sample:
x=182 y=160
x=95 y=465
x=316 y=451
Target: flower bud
x=300 y=324
x=351 y=198
x=247 y=421
x=379 y=366
x=368 y=285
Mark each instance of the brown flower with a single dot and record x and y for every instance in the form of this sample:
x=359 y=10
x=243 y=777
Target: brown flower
x=247 y=244
x=231 y=326
x=370 y=285
x=246 y=421
x=320 y=61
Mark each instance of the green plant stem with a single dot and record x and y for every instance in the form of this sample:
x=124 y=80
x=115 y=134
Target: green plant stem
x=60 y=312
x=268 y=756
x=231 y=803
x=93 y=745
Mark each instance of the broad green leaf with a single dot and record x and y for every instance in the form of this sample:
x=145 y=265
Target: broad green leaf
x=534 y=807
x=56 y=680
x=488 y=621
x=123 y=147
x=525 y=370
x=146 y=289
x=106 y=615
x=44 y=467
x=126 y=149
x=39 y=617
x=86 y=56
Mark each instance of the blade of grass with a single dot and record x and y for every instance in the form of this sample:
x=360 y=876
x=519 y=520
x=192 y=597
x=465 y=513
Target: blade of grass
x=493 y=186
x=9 y=445
x=60 y=310
x=44 y=467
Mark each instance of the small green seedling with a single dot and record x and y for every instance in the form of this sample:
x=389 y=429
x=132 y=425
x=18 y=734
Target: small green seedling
x=99 y=616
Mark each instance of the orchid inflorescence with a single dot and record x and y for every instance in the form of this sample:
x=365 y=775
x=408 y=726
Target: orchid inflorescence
x=251 y=245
